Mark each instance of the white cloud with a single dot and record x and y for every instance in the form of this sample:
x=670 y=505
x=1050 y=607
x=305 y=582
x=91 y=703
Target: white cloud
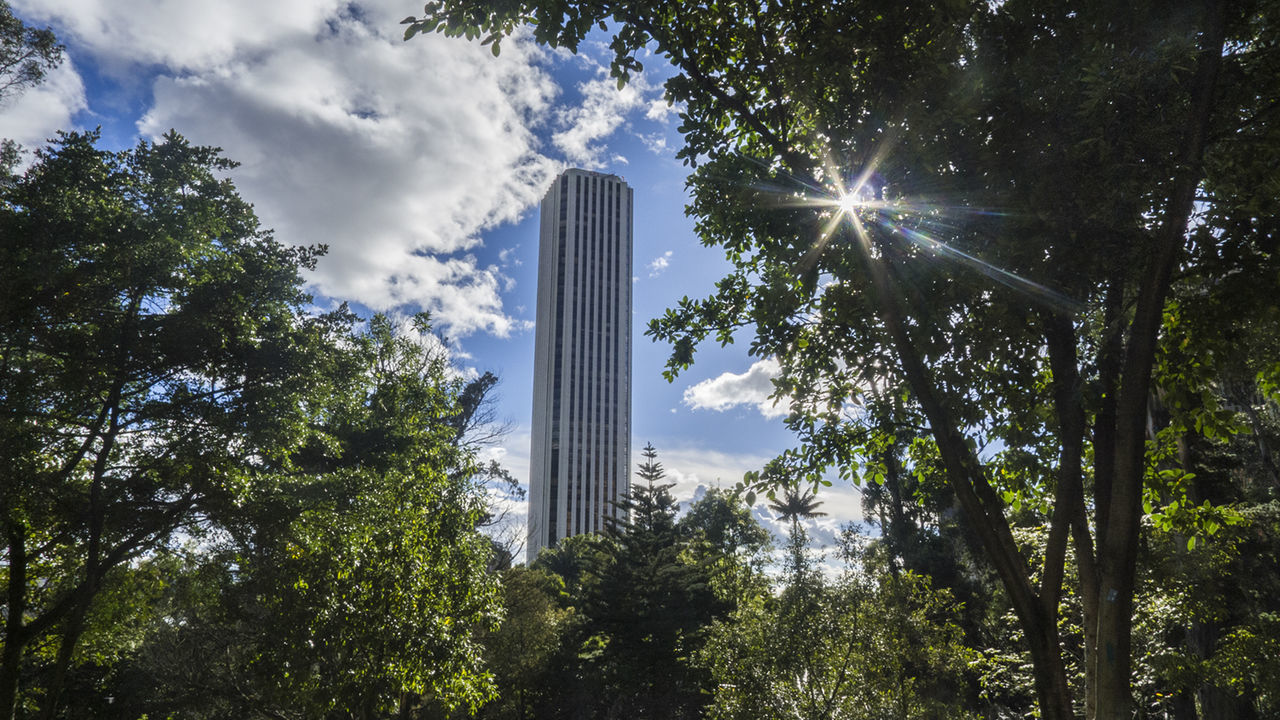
x=655 y=142
x=694 y=470
x=182 y=35
x=729 y=390
x=506 y=256
x=659 y=264
x=659 y=110
x=604 y=108
x=32 y=117
x=396 y=155
x=692 y=467
x=842 y=504
x=511 y=513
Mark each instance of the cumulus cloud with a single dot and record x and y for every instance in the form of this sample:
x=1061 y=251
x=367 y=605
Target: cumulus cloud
x=659 y=264
x=692 y=470
x=182 y=35
x=506 y=256
x=510 y=511
x=730 y=390
x=604 y=109
x=655 y=142
x=659 y=110
x=31 y=117
x=693 y=467
x=396 y=155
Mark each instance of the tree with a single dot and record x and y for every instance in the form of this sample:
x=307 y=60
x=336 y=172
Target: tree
x=376 y=589
x=355 y=588
x=26 y=55
x=722 y=521
x=169 y=409
x=981 y=208
x=866 y=644
x=521 y=651
x=576 y=563
x=649 y=607
x=797 y=504
x=153 y=362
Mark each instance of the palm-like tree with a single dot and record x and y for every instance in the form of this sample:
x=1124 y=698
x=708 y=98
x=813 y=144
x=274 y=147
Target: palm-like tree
x=796 y=504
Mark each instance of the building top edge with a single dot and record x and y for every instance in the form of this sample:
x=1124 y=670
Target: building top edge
x=580 y=171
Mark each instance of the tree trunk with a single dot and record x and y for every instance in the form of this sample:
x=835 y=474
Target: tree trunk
x=15 y=635
x=1117 y=548
x=1053 y=693
x=73 y=629
x=982 y=506
x=1112 y=666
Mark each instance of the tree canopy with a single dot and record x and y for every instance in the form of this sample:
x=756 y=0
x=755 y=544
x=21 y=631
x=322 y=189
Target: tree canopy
x=27 y=54
x=969 y=223
x=173 y=413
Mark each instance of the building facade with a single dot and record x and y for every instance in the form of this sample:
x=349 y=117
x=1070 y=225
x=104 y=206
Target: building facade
x=581 y=444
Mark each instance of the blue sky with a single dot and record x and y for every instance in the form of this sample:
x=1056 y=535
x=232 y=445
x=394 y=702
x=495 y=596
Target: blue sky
x=420 y=165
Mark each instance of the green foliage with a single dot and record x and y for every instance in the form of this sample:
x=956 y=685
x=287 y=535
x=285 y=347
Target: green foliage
x=1206 y=626
x=522 y=651
x=649 y=607
x=631 y=609
x=215 y=503
x=867 y=644
x=573 y=560
x=724 y=523
x=797 y=505
x=26 y=54
x=355 y=589
x=380 y=579
x=153 y=358
x=1043 y=194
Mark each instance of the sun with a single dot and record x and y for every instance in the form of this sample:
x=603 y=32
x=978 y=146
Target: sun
x=848 y=203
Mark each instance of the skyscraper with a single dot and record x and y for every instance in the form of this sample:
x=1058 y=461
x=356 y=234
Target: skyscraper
x=581 y=444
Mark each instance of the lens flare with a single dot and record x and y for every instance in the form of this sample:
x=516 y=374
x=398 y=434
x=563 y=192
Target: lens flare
x=855 y=198
x=849 y=202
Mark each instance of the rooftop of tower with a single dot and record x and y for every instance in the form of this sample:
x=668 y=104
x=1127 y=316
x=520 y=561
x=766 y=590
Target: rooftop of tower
x=588 y=173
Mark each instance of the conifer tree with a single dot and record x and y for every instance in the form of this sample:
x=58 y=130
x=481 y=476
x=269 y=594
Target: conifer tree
x=650 y=608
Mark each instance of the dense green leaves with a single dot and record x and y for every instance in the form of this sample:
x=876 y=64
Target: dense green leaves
x=865 y=644
x=650 y=606
x=1035 y=183
x=632 y=609
x=197 y=470
x=152 y=360
x=27 y=54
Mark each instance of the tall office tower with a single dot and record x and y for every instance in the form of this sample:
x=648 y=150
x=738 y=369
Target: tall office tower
x=581 y=444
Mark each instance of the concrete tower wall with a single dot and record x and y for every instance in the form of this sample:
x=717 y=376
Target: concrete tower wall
x=581 y=439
